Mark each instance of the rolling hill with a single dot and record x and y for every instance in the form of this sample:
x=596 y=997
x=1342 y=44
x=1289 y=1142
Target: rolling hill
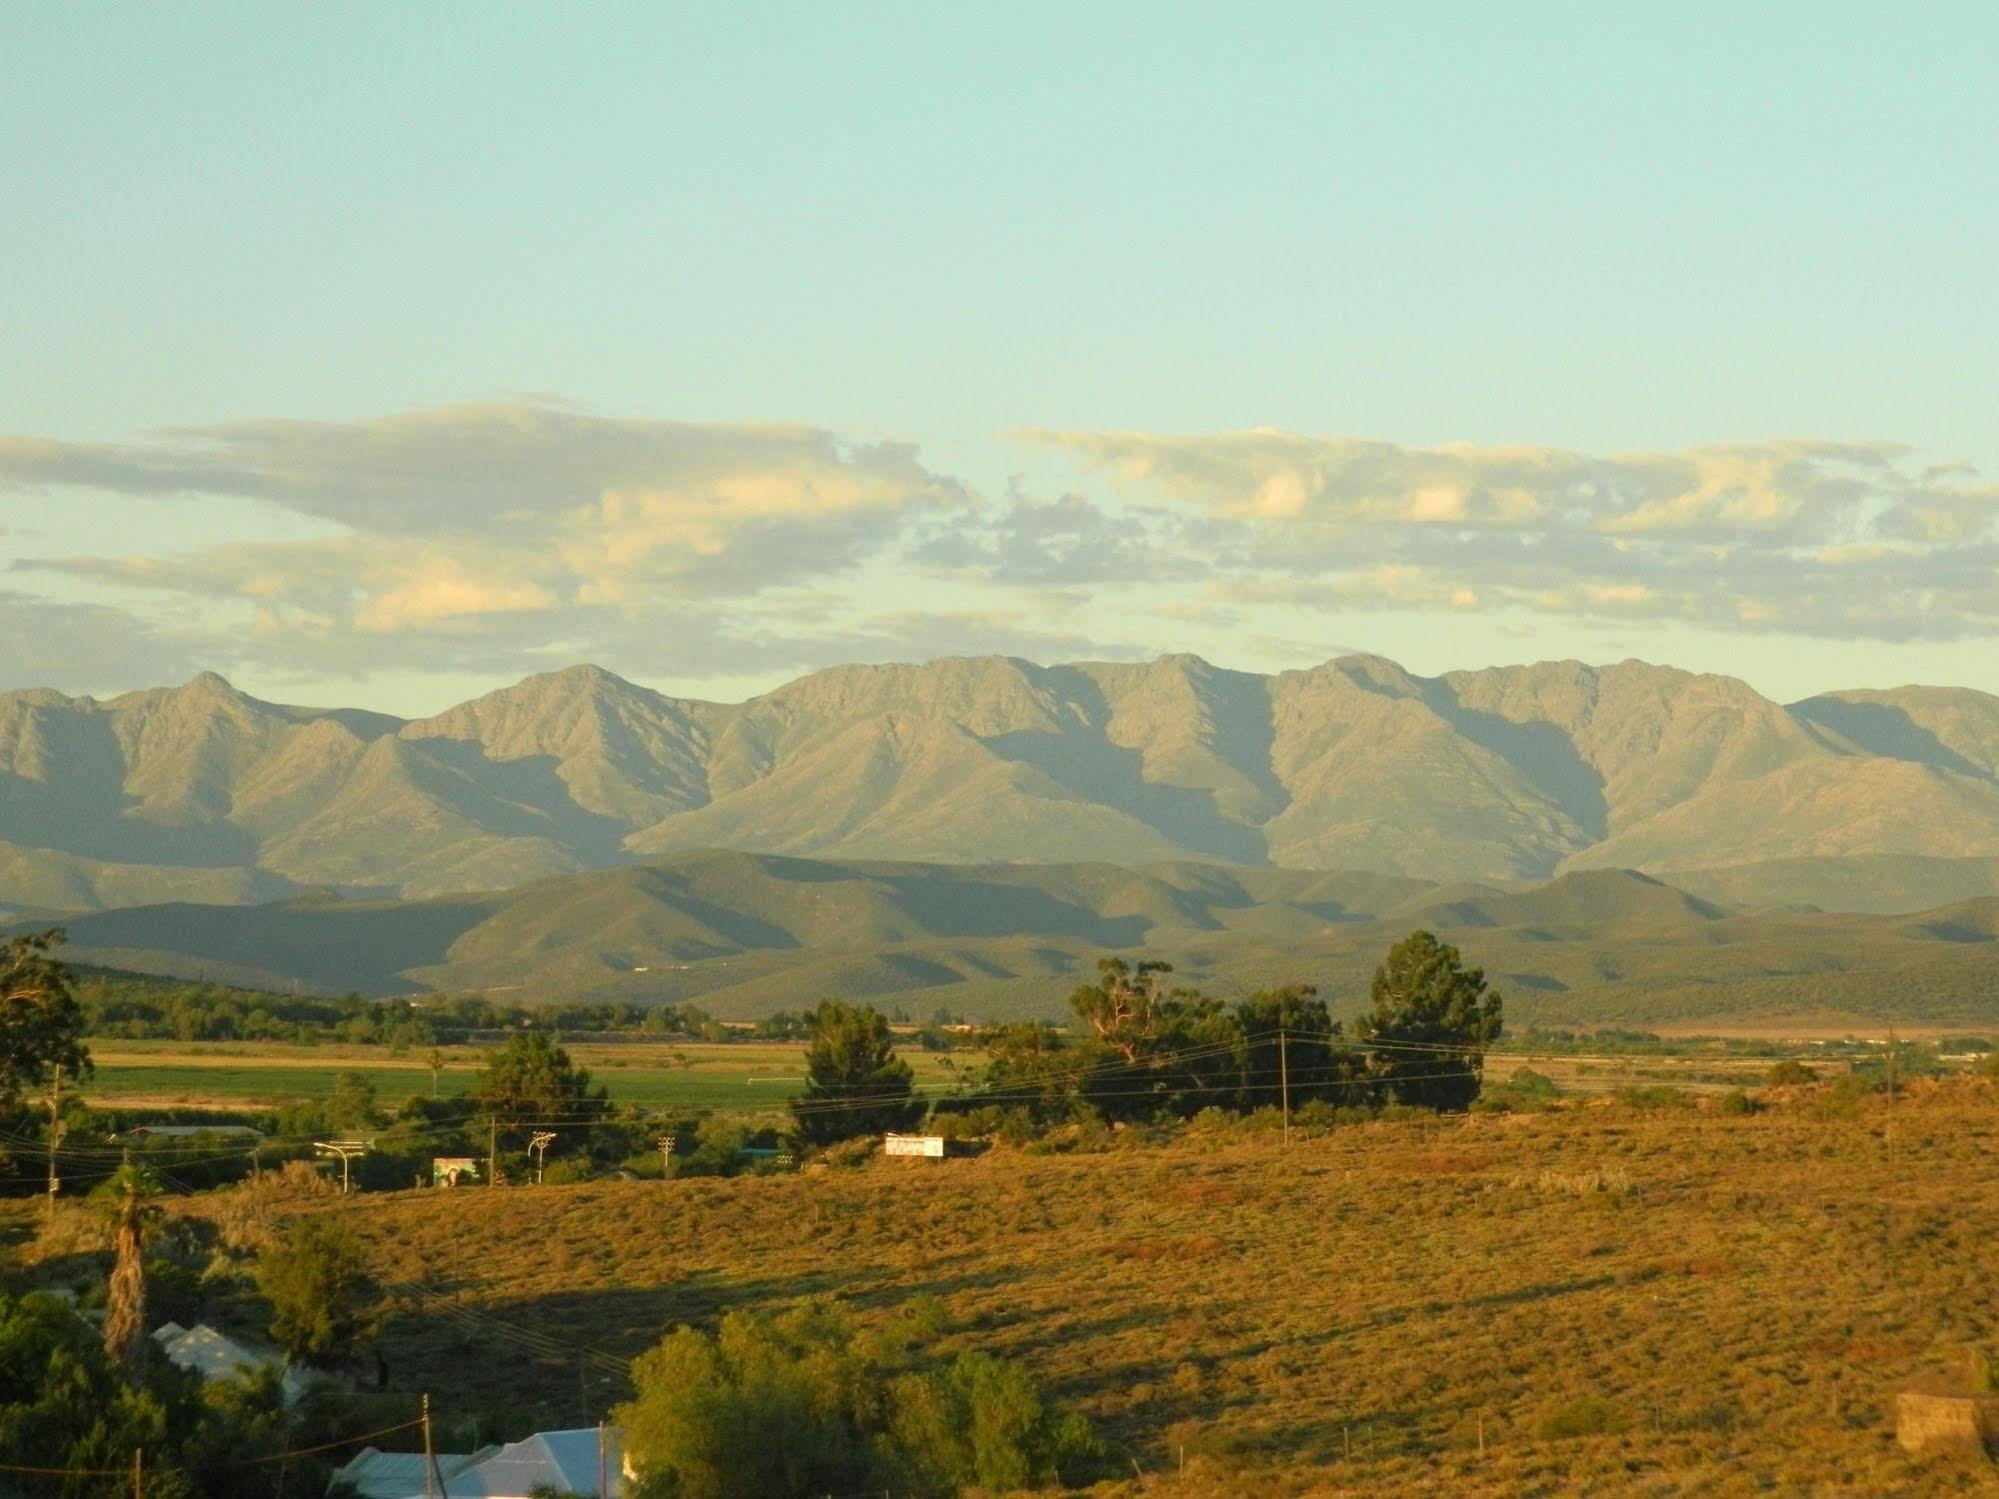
x=1875 y=801
x=745 y=934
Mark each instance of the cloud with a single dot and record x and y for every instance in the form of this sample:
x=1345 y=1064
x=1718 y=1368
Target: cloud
x=77 y=647
x=1834 y=539
x=517 y=522
x=1056 y=543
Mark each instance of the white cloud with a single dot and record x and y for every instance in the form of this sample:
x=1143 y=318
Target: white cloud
x=1843 y=540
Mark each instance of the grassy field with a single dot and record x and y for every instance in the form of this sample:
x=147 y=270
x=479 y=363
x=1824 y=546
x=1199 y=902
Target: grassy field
x=737 y=1076
x=1596 y=1300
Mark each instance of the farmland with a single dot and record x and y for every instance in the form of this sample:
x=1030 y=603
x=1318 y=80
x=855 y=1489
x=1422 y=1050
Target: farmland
x=740 y=1077
x=744 y=1077
x=1604 y=1298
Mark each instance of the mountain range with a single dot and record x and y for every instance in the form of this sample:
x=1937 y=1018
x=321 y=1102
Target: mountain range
x=744 y=934
x=1864 y=800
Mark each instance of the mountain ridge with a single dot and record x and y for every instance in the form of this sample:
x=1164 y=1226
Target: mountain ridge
x=745 y=933
x=1498 y=774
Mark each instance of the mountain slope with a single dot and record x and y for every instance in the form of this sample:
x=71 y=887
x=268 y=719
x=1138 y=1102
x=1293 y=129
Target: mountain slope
x=745 y=934
x=1506 y=774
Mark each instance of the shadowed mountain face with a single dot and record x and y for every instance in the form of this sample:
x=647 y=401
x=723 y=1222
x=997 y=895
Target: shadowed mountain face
x=745 y=934
x=201 y=793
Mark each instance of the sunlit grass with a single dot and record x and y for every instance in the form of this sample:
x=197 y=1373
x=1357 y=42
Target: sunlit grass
x=1594 y=1300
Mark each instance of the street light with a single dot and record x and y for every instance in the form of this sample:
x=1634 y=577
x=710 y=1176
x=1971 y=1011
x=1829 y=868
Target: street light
x=538 y=1148
x=346 y=1150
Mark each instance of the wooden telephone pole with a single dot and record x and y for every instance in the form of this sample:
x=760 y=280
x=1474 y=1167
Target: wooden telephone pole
x=55 y=1134
x=433 y=1481
x=1284 y=1079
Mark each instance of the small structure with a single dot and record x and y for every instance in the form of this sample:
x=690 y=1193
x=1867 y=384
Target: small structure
x=187 y=1131
x=917 y=1145
x=561 y=1462
x=1934 y=1416
x=374 y=1474
x=216 y=1356
x=453 y=1170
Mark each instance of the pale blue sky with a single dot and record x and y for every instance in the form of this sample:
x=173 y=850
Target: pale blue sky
x=1593 y=229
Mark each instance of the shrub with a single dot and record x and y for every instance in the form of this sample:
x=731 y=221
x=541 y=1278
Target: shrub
x=1583 y=1417
x=1790 y=1074
x=323 y=1302
x=1843 y=1099
x=805 y=1404
x=1655 y=1098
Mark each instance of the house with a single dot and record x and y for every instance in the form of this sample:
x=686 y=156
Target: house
x=216 y=1356
x=561 y=1462
x=372 y=1474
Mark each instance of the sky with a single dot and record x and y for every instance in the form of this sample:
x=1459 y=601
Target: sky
x=381 y=354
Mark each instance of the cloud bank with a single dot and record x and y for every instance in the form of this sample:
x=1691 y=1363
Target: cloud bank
x=1836 y=540
x=498 y=537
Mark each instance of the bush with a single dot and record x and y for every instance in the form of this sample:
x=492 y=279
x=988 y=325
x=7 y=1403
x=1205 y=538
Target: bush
x=1790 y=1074
x=805 y=1404
x=1584 y=1417
x=1843 y=1099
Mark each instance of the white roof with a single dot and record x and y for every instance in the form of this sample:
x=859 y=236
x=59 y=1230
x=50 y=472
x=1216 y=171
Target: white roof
x=566 y=1461
x=214 y=1355
x=373 y=1474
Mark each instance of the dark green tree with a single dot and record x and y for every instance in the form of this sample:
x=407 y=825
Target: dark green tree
x=41 y=1024
x=1312 y=1055
x=1429 y=1023
x=323 y=1301
x=351 y=1104
x=531 y=1080
x=855 y=1084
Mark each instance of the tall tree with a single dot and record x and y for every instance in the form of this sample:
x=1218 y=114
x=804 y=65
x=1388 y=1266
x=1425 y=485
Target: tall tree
x=323 y=1301
x=531 y=1080
x=1126 y=1007
x=1430 y=1021
x=125 y=1292
x=855 y=1084
x=41 y=1024
x=1311 y=1060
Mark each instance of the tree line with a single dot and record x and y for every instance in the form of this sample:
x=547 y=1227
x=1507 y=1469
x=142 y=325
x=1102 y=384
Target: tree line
x=1140 y=1048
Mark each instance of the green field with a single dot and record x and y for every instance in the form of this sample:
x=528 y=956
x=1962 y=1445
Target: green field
x=736 y=1076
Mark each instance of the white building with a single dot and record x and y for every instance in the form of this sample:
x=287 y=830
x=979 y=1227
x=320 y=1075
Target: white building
x=216 y=1356
x=563 y=1462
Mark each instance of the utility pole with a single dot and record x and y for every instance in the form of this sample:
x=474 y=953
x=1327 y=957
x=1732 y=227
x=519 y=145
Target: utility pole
x=346 y=1150
x=138 y=1473
x=665 y=1156
x=1284 y=1078
x=55 y=1135
x=492 y=1150
x=433 y=1481
x=602 y=1492
x=538 y=1148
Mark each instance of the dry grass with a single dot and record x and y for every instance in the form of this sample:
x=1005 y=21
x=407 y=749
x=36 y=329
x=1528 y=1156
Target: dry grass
x=1608 y=1301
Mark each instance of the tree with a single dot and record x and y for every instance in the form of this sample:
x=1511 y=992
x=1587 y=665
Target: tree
x=855 y=1084
x=323 y=1301
x=532 y=1080
x=434 y=1060
x=1125 y=1007
x=1312 y=1057
x=1430 y=1021
x=41 y=1024
x=805 y=1403
x=351 y=1104
x=125 y=1292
